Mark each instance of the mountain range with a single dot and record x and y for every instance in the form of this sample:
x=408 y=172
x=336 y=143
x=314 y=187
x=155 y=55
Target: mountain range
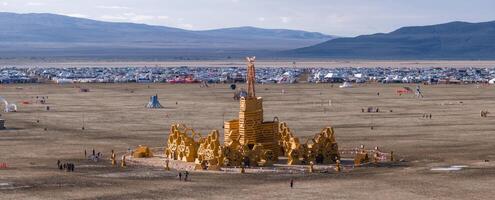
x=57 y=36
x=455 y=40
x=63 y=30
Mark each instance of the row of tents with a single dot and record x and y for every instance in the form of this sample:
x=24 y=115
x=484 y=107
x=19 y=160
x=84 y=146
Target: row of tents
x=238 y=74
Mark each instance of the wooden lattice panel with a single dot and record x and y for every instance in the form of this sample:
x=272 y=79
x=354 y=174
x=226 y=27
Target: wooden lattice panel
x=231 y=130
x=250 y=120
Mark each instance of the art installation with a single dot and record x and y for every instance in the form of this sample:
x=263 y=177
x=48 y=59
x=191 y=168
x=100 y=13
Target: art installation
x=9 y=107
x=154 y=103
x=181 y=146
x=209 y=155
x=142 y=152
x=250 y=140
x=323 y=148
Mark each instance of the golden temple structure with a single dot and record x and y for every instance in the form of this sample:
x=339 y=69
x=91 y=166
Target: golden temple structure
x=250 y=129
x=249 y=140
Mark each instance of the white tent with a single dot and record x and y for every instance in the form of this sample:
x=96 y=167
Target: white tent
x=317 y=75
x=329 y=75
x=492 y=81
x=63 y=80
x=8 y=107
x=346 y=85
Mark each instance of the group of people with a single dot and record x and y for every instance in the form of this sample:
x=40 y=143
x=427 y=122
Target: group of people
x=41 y=99
x=94 y=156
x=3 y=165
x=370 y=109
x=68 y=167
x=426 y=115
x=204 y=84
x=186 y=175
x=484 y=113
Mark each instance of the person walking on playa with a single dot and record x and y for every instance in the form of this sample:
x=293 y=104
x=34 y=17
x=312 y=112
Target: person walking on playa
x=291 y=183
x=180 y=176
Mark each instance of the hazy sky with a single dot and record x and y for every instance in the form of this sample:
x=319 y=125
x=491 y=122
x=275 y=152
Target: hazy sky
x=336 y=17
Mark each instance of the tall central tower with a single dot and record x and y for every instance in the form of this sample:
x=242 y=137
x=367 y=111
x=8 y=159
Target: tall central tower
x=250 y=128
x=251 y=77
x=251 y=109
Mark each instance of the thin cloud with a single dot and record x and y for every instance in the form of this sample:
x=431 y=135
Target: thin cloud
x=34 y=4
x=142 y=18
x=261 y=19
x=133 y=17
x=113 y=7
x=78 y=15
x=130 y=14
x=113 y=17
x=4 y=3
x=187 y=26
x=285 y=20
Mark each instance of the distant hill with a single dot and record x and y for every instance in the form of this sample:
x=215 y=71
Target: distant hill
x=455 y=40
x=50 y=30
x=256 y=33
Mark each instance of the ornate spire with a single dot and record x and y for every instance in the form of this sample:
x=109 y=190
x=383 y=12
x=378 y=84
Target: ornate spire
x=251 y=79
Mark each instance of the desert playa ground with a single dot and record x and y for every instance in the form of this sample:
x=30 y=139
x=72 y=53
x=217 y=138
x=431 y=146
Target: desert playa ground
x=115 y=118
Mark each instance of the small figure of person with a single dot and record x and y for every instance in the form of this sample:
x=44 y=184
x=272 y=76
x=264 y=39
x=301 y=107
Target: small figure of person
x=85 y=153
x=122 y=162
x=338 y=166
x=291 y=183
x=186 y=175
x=180 y=176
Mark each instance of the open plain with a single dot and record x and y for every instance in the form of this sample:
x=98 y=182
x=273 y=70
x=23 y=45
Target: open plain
x=114 y=117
